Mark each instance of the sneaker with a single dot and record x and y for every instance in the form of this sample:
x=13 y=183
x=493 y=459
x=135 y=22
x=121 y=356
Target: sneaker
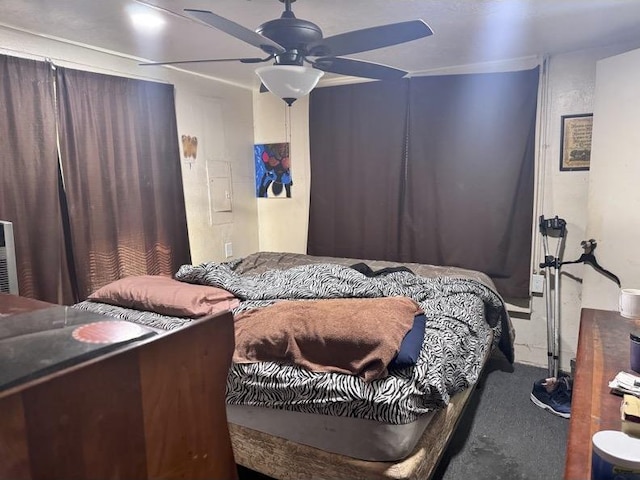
x=553 y=395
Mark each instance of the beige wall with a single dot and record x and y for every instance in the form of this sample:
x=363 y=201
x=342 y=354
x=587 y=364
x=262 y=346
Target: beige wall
x=222 y=119
x=614 y=181
x=220 y=115
x=283 y=221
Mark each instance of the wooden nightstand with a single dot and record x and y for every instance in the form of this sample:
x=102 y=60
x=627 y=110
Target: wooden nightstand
x=603 y=351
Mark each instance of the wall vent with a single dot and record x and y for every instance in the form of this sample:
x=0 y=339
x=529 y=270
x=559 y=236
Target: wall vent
x=8 y=271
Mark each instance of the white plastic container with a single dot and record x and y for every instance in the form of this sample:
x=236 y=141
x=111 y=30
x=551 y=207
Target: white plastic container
x=615 y=456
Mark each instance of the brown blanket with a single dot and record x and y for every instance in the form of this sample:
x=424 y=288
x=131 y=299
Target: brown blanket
x=357 y=336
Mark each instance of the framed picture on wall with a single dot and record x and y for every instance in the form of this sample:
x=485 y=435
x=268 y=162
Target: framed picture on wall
x=575 y=142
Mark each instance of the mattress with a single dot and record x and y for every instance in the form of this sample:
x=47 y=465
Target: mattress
x=462 y=313
x=353 y=437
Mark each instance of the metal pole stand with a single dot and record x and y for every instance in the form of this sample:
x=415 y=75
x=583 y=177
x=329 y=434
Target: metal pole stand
x=556 y=227
x=553 y=393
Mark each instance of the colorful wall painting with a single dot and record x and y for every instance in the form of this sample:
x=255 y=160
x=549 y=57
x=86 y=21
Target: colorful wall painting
x=273 y=175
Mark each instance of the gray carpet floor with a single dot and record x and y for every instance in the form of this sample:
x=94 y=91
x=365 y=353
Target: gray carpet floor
x=502 y=435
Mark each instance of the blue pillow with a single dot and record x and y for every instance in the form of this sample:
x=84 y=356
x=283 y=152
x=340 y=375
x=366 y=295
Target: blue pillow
x=411 y=344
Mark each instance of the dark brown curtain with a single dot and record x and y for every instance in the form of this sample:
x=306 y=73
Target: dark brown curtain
x=357 y=135
x=471 y=151
x=122 y=178
x=467 y=175
x=29 y=194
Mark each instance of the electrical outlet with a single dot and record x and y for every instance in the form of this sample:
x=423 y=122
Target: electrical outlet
x=537 y=283
x=228 y=250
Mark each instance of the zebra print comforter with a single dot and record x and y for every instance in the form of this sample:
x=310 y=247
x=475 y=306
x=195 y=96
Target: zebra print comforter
x=463 y=315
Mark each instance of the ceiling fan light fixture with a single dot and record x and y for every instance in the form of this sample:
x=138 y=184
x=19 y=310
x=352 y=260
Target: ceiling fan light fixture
x=289 y=82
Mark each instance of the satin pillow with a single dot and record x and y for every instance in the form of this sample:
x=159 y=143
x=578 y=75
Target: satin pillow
x=165 y=295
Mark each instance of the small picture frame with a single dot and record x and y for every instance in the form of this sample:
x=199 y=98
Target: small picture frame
x=575 y=142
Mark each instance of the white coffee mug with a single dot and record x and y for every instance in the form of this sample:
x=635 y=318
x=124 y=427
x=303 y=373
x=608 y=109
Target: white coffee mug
x=630 y=302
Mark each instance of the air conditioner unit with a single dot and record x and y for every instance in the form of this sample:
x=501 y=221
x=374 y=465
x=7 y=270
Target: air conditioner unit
x=8 y=270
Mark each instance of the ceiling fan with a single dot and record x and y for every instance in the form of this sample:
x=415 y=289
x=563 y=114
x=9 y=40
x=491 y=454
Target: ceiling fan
x=291 y=42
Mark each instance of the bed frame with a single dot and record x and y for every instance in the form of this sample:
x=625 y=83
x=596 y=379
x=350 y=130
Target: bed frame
x=286 y=460
x=283 y=459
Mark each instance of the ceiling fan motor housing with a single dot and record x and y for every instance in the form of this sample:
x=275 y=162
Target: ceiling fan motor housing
x=291 y=33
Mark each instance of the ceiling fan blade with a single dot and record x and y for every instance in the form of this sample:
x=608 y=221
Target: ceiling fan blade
x=358 y=68
x=370 y=38
x=241 y=60
x=236 y=30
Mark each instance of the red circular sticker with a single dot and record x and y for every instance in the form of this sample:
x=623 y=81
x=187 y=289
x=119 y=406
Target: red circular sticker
x=107 y=332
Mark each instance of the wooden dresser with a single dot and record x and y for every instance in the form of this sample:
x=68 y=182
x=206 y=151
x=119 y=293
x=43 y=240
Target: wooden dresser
x=12 y=304
x=603 y=351
x=152 y=409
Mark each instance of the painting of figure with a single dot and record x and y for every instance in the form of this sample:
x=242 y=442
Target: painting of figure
x=273 y=175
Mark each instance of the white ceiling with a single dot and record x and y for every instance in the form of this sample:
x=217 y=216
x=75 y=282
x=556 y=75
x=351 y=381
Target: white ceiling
x=465 y=31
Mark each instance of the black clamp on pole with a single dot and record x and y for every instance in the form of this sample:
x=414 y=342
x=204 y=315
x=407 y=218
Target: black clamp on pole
x=556 y=227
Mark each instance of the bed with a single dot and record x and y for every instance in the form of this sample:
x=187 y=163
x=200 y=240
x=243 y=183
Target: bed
x=288 y=422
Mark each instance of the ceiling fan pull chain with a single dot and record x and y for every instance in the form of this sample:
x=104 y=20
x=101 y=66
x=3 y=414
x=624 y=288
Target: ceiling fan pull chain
x=287 y=125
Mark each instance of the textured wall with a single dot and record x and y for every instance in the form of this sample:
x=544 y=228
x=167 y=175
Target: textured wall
x=614 y=195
